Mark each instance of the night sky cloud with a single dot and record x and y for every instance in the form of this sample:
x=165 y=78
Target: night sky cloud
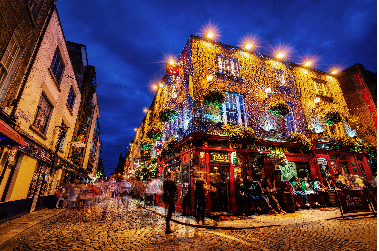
x=127 y=41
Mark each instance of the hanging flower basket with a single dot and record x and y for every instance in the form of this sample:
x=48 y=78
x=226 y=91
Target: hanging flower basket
x=300 y=139
x=145 y=145
x=214 y=98
x=168 y=114
x=277 y=158
x=345 y=143
x=279 y=108
x=154 y=133
x=240 y=134
x=330 y=118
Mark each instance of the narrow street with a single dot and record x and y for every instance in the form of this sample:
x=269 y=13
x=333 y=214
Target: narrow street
x=108 y=227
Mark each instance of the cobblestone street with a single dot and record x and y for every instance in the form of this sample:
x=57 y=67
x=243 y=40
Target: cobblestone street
x=108 y=227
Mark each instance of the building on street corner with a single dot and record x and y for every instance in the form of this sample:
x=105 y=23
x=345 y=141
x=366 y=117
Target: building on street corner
x=223 y=113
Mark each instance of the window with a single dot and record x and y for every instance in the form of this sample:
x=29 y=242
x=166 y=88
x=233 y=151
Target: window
x=320 y=86
x=227 y=65
x=8 y=59
x=57 y=66
x=44 y=111
x=234 y=109
x=71 y=99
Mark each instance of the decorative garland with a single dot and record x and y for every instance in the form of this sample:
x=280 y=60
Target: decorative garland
x=279 y=108
x=154 y=133
x=168 y=114
x=330 y=118
x=214 y=98
x=277 y=158
x=300 y=139
x=240 y=133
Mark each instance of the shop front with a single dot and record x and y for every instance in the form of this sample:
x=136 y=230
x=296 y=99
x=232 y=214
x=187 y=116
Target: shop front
x=213 y=159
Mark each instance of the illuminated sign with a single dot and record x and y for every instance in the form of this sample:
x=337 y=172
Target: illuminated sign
x=259 y=147
x=219 y=157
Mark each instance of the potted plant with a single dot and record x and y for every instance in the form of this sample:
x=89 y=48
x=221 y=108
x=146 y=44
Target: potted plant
x=279 y=108
x=168 y=114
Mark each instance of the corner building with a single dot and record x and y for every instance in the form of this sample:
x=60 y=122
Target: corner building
x=251 y=83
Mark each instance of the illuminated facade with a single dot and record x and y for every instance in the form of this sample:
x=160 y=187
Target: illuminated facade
x=223 y=112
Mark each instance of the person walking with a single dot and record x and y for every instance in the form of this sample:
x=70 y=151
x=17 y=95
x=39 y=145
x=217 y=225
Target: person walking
x=170 y=196
x=200 y=200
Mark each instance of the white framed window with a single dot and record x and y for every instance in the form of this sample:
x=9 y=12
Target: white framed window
x=233 y=109
x=57 y=66
x=227 y=65
x=9 y=60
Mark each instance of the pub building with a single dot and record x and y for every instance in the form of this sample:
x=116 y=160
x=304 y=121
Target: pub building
x=223 y=112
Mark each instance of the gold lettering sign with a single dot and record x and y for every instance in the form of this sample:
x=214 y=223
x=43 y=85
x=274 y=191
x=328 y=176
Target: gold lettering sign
x=219 y=157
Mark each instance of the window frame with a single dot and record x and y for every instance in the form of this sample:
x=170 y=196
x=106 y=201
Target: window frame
x=241 y=108
x=71 y=99
x=9 y=71
x=227 y=65
x=58 y=75
x=47 y=103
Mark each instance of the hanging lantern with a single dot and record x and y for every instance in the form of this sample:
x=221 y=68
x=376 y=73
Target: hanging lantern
x=168 y=114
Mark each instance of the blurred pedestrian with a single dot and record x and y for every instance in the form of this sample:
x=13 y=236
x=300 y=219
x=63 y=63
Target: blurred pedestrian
x=200 y=200
x=170 y=196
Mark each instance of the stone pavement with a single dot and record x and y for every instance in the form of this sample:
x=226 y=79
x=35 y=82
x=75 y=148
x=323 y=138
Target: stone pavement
x=11 y=228
x=109 y=227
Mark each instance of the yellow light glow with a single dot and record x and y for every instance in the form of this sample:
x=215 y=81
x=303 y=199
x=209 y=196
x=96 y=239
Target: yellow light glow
x=334 y=72
x=171 y=62
x=135 y=129
x=209 y=78
x=160 y=85
x=248 y=46
x=268 y=90
x=307 y=63
x=145 y=110
x=280 y=55
x=210 y=35
x=155 y=87
x=317 y=100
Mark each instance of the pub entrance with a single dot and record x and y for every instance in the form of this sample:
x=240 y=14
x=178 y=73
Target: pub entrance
x=219 y=187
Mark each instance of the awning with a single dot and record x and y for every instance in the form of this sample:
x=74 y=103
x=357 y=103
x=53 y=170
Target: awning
x=8 y=136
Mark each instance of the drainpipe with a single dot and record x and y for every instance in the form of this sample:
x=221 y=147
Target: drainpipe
x=34 y=56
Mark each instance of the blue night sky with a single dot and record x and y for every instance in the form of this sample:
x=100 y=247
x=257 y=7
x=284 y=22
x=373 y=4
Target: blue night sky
x=127 y=41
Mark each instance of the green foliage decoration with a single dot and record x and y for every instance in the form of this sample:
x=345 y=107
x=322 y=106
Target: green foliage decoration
x=279 y=108
x=216 y=97
x=239 y=134
x=330 y=117
x=146 y=145
x=300 y=139
x=154 y=133
x=168 y=114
